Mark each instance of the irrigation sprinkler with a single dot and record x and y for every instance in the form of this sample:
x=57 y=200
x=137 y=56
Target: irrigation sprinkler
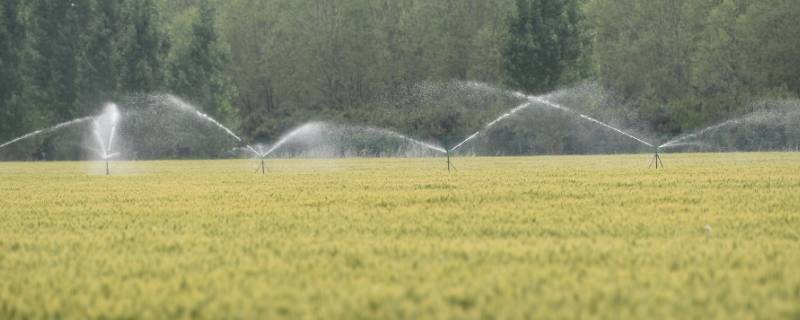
x=656 y=160
x=263 y=167
x=449 y=163
x=448 y=160
x=104 y=128
x=261 y=156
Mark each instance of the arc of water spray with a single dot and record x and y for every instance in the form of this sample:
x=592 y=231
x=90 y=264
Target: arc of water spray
x=301 y=129
x=679 y=140
x=491 y=124
x=408 y=139
x=46 y=130
x=583 y=116
x=183 y=105
x=319 y=125
x=531 y=100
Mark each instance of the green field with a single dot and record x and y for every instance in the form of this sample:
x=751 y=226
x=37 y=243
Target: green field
x=711 y=236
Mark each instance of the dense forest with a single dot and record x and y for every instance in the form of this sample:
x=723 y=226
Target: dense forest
x=265 y=66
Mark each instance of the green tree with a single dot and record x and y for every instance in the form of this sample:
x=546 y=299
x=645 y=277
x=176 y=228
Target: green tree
x=197 y=61
x=771 y=41
x=12 y=36
x=718 y=72
x=543 y=45
x=643 y=51
x=142 y=46
x=102 y=50
x=56 y=29
x=684 y=64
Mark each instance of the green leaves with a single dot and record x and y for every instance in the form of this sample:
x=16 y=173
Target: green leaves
x=682 y=64
x=544 y=46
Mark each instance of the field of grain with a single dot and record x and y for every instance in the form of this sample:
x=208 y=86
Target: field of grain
x=712 y=235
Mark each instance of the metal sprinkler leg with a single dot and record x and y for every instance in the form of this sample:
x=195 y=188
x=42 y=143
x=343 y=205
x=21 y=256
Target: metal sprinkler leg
x=656 y=160
x=107 y=171
x=263 y=167
x=447 y=152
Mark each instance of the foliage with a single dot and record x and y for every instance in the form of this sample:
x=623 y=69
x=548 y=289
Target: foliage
x=683 y=64
x=544 y=45
x=338 y=60
x=195 y=66
x=264 y=67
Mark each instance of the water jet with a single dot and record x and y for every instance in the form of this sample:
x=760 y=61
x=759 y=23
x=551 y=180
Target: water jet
x=530 y=101
x=46 y=130
x=106 y=125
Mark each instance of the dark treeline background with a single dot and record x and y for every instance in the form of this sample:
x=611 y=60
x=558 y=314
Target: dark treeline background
x=265 y=66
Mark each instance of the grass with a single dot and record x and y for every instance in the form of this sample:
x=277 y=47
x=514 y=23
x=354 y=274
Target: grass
x=535 y=237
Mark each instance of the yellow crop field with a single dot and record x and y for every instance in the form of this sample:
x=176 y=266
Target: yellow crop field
x=710 y=236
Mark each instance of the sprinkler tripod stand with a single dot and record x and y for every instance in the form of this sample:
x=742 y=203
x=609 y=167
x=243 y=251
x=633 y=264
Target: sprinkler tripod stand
x=656 y=160
x=262 y=167
x=449 y=163
x=107 y=158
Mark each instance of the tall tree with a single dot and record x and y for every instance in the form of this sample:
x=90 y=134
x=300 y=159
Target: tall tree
x=12 y=35
x=103 y=54
x=543 y=44
x=142 y=47
x=56 y=36
x=643 y=50
x=717 y=70
x=771 y=42
x=196 y=65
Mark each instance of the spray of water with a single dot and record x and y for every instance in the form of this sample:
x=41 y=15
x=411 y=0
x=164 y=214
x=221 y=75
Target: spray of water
x=406 y=138
x=104 y=130
x=778 y=110
x=185 y=106
x=696 y=144
x=323 y=127
x=46 y=130
x=585 y=117
x=303 y=129
x=679 y=141
x=182 y=105
x=491 y=124
x=530 y=102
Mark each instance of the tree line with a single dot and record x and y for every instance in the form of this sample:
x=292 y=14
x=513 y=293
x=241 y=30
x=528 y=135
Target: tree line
x=265 y=66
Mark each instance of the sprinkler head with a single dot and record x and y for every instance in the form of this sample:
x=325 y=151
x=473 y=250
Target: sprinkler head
x=110 y=156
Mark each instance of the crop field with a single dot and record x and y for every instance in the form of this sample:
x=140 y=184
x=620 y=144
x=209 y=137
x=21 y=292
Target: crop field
x=710 y=236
